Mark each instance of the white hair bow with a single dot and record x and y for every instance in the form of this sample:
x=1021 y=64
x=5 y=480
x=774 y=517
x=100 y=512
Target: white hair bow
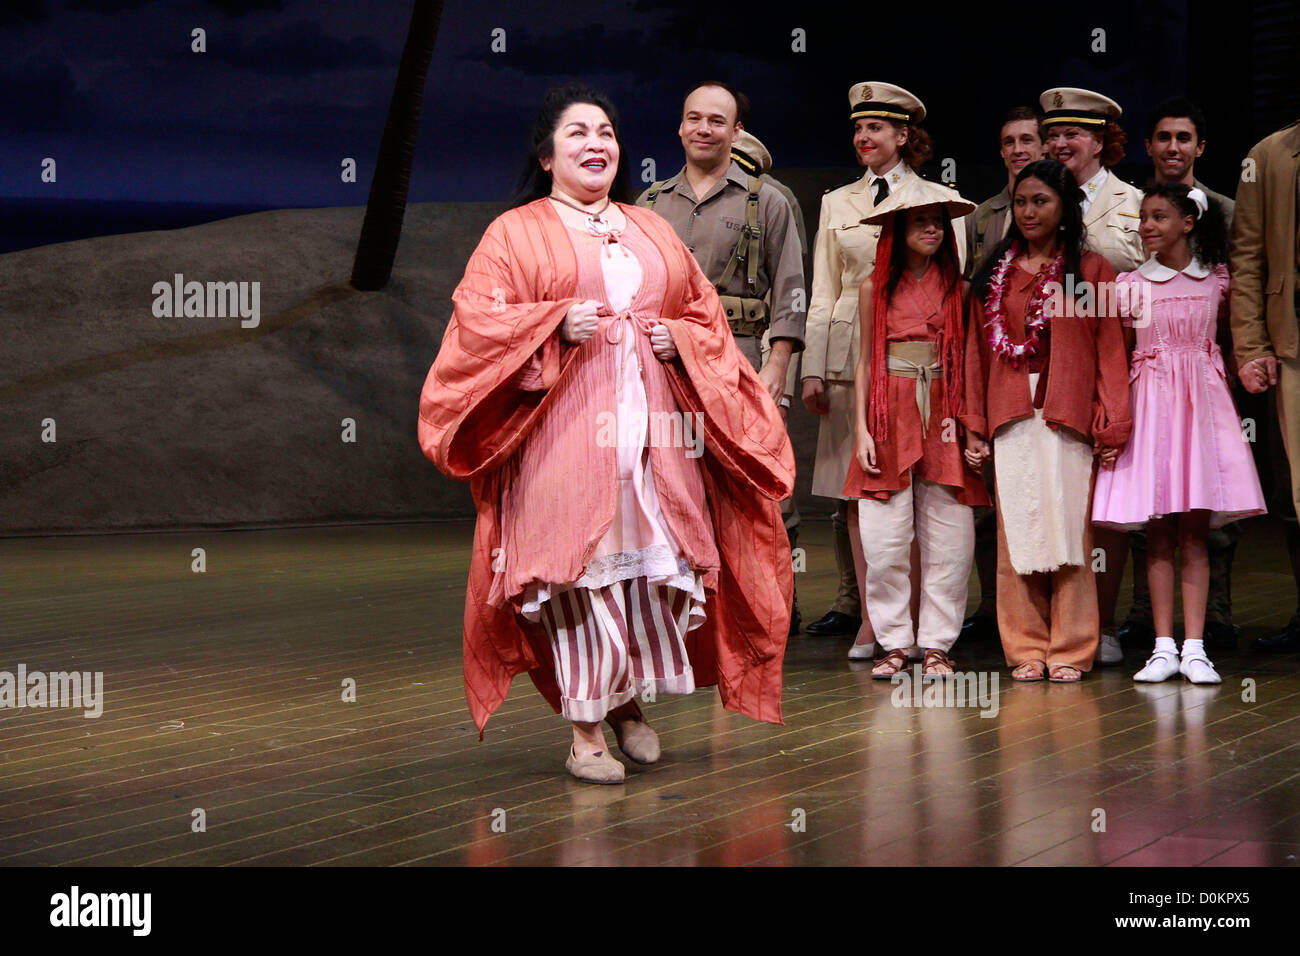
x=1199 y=199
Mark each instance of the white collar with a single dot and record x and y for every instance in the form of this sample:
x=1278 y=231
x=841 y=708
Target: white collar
x=894 y=174
x=1154 y=270
x=1093 y=185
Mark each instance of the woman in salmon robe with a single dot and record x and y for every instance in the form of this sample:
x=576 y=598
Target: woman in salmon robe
x=625 y=460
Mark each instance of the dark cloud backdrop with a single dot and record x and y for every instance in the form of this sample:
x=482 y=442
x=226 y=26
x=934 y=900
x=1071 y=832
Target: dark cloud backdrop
x=287 y=88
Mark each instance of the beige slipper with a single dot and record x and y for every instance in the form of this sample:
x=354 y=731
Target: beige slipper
x=599 y=767
x=637 y=739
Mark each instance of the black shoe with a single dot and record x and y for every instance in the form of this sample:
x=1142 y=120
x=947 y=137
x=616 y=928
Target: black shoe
x=980 y=627
x=833 y=623
x=1137 y=634
x=1287 y=639
x=1220 y=636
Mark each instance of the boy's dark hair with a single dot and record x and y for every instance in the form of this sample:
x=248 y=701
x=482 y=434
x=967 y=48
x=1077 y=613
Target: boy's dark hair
x=1177 y=107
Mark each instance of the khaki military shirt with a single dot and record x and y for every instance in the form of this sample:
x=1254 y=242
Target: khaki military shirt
x=985 y=228
x=1112 y=224
x=710 y=228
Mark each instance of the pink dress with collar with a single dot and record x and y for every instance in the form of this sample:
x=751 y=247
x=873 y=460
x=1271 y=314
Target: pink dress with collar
x=1187 y=450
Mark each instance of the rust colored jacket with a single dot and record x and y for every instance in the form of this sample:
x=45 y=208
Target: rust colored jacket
x=519 y=284
x=1087 y=366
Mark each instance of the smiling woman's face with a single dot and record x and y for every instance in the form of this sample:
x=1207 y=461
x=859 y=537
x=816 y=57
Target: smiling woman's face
x=584 y=156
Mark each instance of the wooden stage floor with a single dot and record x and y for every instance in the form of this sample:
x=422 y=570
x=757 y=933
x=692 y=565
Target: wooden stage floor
x=223 y=693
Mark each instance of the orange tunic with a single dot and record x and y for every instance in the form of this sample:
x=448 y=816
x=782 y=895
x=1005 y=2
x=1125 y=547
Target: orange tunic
x=518 y=285
x=1087 y=366
x=916 y=315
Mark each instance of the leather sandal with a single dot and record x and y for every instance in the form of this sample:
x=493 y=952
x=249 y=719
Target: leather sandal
x=889 y=665
x=936 y=659
x=1029 y=671
x=600 y=767
x=636 y=738
x=1064 y=674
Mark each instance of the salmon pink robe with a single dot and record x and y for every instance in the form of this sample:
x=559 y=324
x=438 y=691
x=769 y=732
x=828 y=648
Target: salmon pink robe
x=518 y=286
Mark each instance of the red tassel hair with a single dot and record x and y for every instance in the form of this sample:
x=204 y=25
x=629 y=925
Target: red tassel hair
x=952 y=339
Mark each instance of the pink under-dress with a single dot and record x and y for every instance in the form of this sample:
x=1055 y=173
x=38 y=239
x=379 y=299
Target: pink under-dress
x=618 y=630
x=1188 y=450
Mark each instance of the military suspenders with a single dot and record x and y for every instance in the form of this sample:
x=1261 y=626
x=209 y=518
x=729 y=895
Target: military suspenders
x=747 y=315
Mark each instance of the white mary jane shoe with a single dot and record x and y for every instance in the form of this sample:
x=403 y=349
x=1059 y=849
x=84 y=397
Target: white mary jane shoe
x=1160 y=666
x=1108 y=650
x=1199 y=670
x=862 y=652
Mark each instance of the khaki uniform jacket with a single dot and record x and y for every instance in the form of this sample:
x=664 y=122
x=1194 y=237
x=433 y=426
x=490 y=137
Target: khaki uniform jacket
x=985 y=228
x=1264 y=253
x=844 y=254
x=710 y=228
x=792 y=375
x=1112 y=224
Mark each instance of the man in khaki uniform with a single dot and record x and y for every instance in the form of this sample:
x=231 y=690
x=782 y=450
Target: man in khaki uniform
x=753 y=157
x=1020 y=142
x=1081 y=131
x=1264 y=306
x=749 y=153
x=742 y=232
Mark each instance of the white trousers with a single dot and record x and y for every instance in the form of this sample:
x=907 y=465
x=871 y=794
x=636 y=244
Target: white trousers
x=945 y=531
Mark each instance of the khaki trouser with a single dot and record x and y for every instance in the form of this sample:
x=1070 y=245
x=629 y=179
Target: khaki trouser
x=1049 y=616
x=847 y=599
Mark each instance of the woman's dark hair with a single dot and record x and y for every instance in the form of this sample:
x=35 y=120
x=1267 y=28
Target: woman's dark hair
x=535 y=182
x=919 y=148
x=1058 y=178
x=944 y=258
x=1209 y=235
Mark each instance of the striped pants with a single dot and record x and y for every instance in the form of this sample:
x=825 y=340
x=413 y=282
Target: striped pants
x=614 y=642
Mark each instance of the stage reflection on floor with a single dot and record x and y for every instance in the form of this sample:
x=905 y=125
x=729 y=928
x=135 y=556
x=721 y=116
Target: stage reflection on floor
x=228 y=736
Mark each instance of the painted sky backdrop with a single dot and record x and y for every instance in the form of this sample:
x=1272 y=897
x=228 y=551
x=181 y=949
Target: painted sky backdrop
x=287 y=88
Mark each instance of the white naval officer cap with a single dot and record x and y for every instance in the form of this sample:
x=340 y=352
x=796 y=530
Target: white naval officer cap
x=1070 y=106
x=884 y=100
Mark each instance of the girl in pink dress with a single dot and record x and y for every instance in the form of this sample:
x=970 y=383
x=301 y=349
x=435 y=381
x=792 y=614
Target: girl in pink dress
x=1187 y=467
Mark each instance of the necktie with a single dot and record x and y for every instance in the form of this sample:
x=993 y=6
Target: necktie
x=881 y=186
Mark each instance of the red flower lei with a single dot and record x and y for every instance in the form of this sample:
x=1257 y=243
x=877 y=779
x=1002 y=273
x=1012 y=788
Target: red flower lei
x=999 y=340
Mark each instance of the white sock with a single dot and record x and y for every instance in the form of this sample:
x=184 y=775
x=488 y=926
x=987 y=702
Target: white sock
x=1166 y=645
x=1194 y=649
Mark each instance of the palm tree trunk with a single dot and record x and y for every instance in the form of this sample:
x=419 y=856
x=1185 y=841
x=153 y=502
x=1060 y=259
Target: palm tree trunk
x=382 y=228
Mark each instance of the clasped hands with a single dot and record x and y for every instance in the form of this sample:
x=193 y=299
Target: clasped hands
x=1258 y=374
x=583 y=318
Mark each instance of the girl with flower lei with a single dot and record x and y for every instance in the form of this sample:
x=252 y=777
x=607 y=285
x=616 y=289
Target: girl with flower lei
x=1047 y=387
